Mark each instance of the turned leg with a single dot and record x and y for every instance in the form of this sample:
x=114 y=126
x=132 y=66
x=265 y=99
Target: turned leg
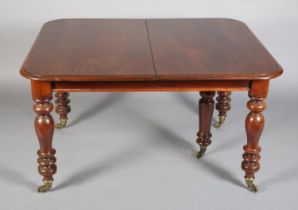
x=206 y=107
x=223 y=106
x=44 y=127
x=254 y=125
x=62 y=108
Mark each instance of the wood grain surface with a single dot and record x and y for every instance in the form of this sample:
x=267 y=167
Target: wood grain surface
x=91 y=49
x=146 y=50
x=208 y=49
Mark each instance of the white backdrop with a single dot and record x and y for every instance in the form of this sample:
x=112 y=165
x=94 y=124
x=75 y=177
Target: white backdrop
x=135 y=150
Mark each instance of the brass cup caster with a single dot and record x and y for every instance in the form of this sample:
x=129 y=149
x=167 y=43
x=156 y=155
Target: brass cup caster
x=250 y=185
x=47 y=185
x=61 y=124
x=220 y=121
x=201 y=152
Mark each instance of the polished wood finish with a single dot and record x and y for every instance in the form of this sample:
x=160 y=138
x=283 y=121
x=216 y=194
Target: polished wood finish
x=206 y=107
x=144 y=50
x=112 y=55
x=41 y=89
x=208 y=49
x=254 y=125
x=223 y=104
x=62 y=105
x=176 y=86
x=90 y=50
x=44 y=127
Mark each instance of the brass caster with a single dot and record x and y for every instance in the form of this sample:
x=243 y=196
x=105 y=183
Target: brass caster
x=220 y=121
x=61 y=124
x=250 y=185
x=201 y=152
x=45 y=187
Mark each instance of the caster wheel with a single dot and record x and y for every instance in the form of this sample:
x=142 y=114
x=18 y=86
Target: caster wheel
x=250 y=185
x=220 y=121
x=253 y=188
x=45 y=187
x=201 y=152
x=61 y=124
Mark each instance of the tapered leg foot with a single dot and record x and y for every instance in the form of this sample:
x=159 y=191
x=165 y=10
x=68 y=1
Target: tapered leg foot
x=206 y=108
x=223 y=106
x=47 y=185
x=62 y=108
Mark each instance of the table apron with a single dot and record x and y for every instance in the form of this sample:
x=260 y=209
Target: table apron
x=149 y=86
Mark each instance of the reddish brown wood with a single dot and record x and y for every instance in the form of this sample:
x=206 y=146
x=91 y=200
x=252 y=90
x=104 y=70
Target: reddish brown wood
x=40 y=89
x=208 y=49
x=201 y=55
x=177 y=86
x=44 y=127
x=206 y=107
x=90 y=50
x=146 y=50
x=62 y=104
x=254 y=125
x=223 y=104
x=259 y=88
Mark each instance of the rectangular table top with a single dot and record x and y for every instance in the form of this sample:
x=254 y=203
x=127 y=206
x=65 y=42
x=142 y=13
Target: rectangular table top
x=148 y=50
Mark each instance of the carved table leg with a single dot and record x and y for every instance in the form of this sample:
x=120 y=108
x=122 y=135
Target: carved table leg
x=254 y=125
x=223 y=106
x=44 y=127
x=206 y=108
x=62 y=108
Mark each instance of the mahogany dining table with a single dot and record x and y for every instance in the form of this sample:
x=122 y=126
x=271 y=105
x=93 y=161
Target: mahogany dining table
x=204 y=55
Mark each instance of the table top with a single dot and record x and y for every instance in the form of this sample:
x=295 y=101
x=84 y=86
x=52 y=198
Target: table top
x=147 y=50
